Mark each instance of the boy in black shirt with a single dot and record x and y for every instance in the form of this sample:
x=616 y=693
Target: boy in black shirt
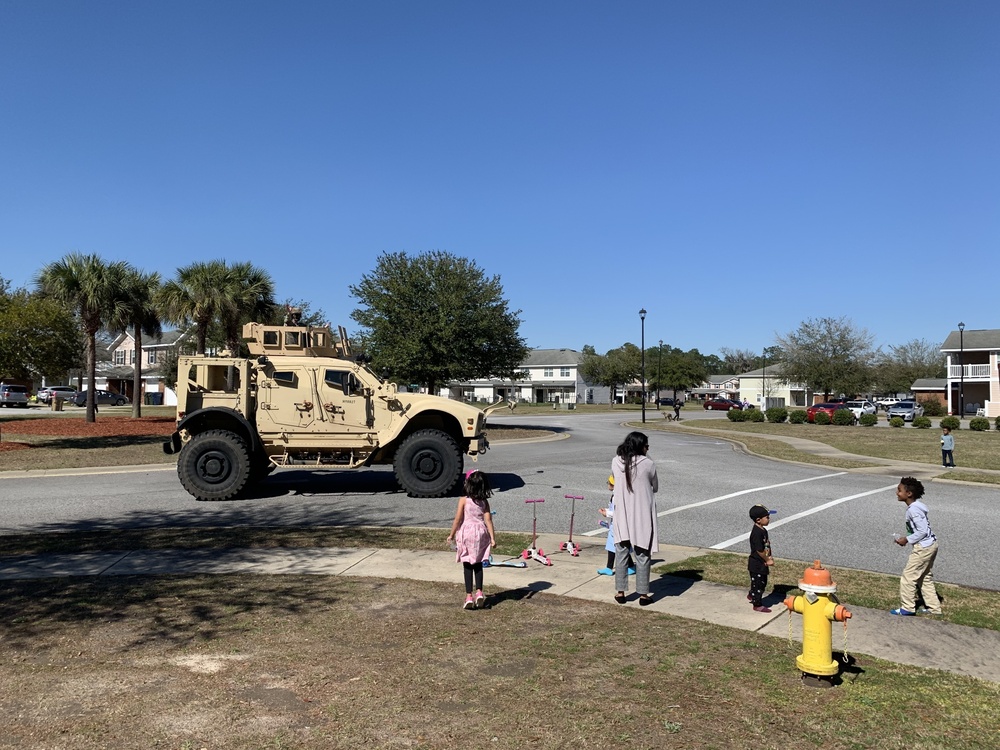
x=760 y=556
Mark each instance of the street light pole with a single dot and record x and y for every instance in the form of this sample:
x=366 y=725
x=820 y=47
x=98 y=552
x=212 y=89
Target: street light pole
x=961 y=370
x=659 y=371
x=642 y=341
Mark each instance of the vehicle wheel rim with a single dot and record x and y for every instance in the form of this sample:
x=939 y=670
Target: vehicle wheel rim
x=426 y=465
x=213 y=467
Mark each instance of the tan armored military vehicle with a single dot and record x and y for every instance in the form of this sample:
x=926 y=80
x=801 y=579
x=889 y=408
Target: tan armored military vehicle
x=301 y=400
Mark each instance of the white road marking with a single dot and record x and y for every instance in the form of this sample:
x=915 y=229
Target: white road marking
x=745 y=492
x=817 y=509
x=597 y=532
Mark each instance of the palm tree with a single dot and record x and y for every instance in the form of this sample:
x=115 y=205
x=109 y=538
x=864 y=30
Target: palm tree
x=249 y=296
x=137 y=310
x=91 y=287
x=195 y=296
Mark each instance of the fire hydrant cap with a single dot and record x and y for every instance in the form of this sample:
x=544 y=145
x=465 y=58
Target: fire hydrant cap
x=817 y=579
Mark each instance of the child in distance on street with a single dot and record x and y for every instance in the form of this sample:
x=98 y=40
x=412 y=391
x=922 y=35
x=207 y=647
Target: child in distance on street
x=608 y=513
x=472 y=531
x=760 y=557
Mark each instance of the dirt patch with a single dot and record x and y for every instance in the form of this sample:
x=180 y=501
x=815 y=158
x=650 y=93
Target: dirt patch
x=5 y=446
x=103 y=427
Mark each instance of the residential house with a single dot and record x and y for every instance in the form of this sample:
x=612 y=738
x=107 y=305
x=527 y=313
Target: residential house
x=717 y=386
x=973 y=374
x=931 y=389
x=546 y=376
x=116 y=374
x=766 y=387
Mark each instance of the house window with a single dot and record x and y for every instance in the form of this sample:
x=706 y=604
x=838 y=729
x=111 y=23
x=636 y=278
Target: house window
x=564 y=372
x=526 y=373
x=151 y=356
x=120 y=357
x=131 y=356
x=547 y=372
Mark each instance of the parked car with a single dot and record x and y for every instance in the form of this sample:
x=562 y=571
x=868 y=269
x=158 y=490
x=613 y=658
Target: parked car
x=722 y=404
x=829 y=408
x=906 y=409
x=14 y=395
x=861 y=407
x=101 y=398
x=885 y=403
x=65 y=392
x=666 y=402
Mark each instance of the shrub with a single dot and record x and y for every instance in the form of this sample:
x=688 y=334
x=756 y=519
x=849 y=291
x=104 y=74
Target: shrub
x=799 y=416
x=979 y=424
x=952 y=422
x=922 y=422
x=868 y=420
x=821 y=418
x=754 y=415
x=997 y=423
x=777 y=414
x=843 y=417
x=933 y=408
x=735 y=415
x=897 y=422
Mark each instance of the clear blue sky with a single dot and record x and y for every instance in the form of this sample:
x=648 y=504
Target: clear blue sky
x=733 y=167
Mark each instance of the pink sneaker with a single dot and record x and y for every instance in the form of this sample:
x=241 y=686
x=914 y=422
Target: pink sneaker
x=470 y=603
x=480 y=599
x=761 y=608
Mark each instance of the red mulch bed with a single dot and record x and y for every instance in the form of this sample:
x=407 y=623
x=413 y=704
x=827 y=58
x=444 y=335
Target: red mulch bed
x=103 y=427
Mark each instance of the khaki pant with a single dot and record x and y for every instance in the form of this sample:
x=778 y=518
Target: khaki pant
x=917 y=574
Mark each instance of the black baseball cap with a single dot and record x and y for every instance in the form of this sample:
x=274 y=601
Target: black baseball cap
x=759 y=511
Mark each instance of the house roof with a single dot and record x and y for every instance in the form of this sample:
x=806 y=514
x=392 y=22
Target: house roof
x=720 y=379
x=552 y=358
x=974 y=340
x=166 y=339
x=930 y=384
x=775 y=370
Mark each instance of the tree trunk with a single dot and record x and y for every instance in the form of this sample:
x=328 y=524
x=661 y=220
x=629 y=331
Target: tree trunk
x=91 y=375
x=137 y=376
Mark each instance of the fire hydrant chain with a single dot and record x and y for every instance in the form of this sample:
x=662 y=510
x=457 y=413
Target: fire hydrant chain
x=846 y=659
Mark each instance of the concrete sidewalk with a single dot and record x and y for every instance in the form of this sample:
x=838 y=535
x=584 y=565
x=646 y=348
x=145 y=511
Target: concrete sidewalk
x=920 y=641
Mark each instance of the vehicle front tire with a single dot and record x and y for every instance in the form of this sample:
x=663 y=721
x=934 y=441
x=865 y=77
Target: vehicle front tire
x=214 y=465
x=428 y=464
x=120 y=402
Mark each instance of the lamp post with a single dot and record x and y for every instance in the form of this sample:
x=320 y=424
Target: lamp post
x=961 y=370
x=642 y=342
x=763 y=381
x=659 y=365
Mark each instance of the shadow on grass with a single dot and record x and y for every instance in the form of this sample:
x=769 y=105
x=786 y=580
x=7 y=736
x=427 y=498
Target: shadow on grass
x=174 y=610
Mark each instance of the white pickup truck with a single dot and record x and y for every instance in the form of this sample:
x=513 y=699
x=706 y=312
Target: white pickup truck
x=885 y=403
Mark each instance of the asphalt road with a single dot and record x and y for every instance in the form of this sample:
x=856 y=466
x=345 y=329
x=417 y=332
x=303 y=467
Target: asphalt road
x=706 y=488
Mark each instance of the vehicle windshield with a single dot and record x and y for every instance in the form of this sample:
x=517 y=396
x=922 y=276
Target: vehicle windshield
x=904 y=405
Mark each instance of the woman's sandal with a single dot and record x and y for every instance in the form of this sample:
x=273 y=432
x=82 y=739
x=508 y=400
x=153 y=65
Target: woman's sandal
x=620 y=597
x=645 y=600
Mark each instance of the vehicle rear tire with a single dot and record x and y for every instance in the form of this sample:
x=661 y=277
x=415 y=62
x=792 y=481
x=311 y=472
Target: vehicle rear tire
x=214 y=465
x=120 y=402
x=428 y=464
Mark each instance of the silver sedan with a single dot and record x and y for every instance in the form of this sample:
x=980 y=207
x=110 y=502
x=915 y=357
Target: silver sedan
x=906 y=409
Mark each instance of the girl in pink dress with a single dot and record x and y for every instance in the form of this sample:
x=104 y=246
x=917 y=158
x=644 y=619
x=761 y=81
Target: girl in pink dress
x=473 y=533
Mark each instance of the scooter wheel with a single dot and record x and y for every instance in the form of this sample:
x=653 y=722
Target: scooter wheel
x=525 y=555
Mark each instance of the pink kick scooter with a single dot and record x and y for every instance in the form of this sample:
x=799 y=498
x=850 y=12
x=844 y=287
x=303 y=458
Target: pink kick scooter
x=533 y=553
x=572 y=547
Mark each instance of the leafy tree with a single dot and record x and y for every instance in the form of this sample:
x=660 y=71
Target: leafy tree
x=896 y=369
x=830 y=355
x=137 y=310
x=93 y=288
x=38 y=336
x=683 y=370
x=714 y=365
x=617 y=367
x=437 y=318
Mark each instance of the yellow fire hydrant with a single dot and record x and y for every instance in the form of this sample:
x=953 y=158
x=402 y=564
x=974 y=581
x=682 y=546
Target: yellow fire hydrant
x=819 y=608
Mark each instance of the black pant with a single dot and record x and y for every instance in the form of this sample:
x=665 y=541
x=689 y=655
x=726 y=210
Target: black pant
x=947 y=458
x=758 y=582
x=470 y=570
